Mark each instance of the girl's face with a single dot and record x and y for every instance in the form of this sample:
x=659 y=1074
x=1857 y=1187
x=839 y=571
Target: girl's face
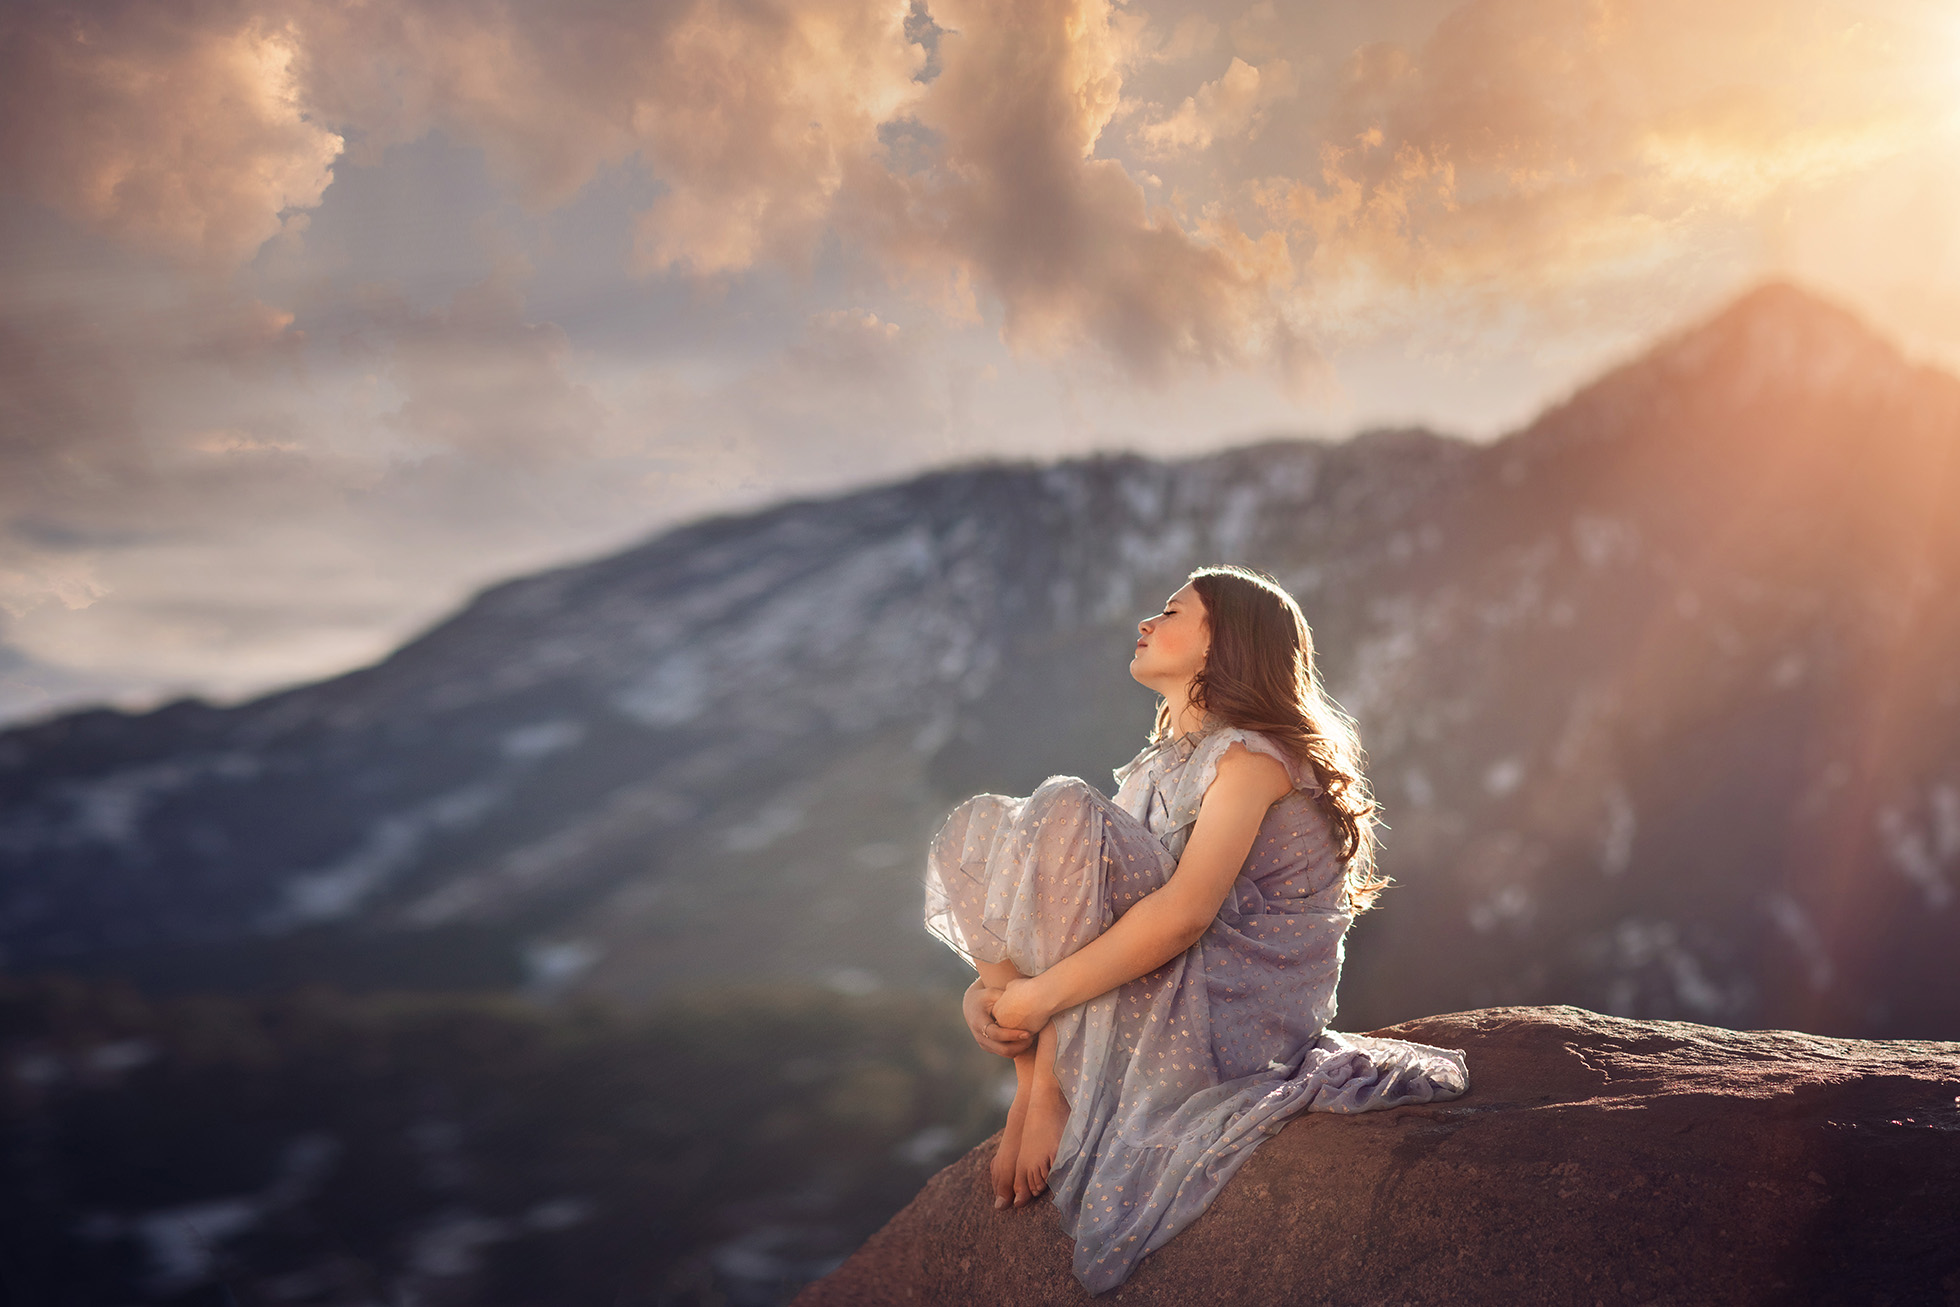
x=1171 y=646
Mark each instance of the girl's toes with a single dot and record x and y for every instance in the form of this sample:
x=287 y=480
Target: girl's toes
x=1003 y=1174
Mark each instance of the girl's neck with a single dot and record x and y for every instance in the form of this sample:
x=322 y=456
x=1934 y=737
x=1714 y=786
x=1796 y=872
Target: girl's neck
x=1185 y=716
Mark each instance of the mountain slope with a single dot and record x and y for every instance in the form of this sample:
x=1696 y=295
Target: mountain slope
x=1662 y=697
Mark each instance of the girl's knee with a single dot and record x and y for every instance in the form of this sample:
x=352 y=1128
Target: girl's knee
x=1065 y=813
x=1069 y=793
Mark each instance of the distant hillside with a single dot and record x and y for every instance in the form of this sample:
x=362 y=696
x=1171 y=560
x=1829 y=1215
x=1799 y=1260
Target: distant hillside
x=1662 y=696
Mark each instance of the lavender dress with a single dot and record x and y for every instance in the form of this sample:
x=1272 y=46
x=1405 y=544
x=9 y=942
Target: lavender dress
x=1174 y=1078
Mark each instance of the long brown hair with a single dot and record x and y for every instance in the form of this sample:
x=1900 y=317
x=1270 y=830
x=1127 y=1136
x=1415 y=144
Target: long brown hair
x=1260 y=675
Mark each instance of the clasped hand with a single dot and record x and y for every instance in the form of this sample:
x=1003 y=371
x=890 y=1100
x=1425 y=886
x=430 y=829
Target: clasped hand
x=1004 y=1021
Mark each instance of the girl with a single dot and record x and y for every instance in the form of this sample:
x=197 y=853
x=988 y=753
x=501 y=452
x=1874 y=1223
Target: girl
x=1161 y=966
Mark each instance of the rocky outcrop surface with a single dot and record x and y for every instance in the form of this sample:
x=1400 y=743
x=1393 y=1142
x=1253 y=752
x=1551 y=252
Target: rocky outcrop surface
x=1595 y=1160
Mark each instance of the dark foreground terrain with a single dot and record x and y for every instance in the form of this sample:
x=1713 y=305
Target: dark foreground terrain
x=332 y=1150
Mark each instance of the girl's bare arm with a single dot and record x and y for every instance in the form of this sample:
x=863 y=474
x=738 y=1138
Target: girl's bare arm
x=1169 y=920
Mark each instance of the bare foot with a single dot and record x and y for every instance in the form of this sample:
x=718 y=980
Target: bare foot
x=1041 y=1134
x=1008 y=1155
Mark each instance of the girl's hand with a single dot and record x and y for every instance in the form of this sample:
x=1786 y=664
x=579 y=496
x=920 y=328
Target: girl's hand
x=1022 y=1007
x=977 y=1006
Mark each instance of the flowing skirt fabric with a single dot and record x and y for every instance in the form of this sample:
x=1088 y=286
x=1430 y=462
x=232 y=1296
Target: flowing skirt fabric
x=1174 y=1078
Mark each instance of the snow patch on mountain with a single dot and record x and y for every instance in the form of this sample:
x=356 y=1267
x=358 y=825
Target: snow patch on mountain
x=391 y=846
x=1923 y=848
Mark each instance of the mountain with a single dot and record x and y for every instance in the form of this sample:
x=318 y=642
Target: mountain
x=1661 y=695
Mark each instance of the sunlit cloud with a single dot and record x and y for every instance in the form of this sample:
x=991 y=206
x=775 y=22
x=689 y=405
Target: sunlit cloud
x=175 y=129
x=1232 y=106
x=1020 y=209
x=750 y=115
x=1528 y=147
x=1523 y=145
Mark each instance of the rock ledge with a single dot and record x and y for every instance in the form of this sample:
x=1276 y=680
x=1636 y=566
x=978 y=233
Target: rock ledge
x=1595 y=1160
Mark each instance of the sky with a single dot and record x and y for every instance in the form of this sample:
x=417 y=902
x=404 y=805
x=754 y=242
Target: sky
x=315 y=317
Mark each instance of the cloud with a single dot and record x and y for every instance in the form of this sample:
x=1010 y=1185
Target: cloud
x=192 y=129
x=1193 y=34
x=1231 y=106
x=151 y=451
x=851 y=396
x=97 y=390
x=499 y=455
x=174 y=128
x=29 y=576
x=111 y=442
x=760 y=123
x=66 y=408
x=1019 y=208
x=191 y=492
x=1528 y=146
x=101 y=446
x=758 y=172
x=1520 y=146
x=1255 y=32
x=64 y=399
x=749 y=114
x=480 y=381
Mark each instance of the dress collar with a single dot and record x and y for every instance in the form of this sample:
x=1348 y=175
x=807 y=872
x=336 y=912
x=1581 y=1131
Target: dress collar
x=1178 y=748
x=1183 y=746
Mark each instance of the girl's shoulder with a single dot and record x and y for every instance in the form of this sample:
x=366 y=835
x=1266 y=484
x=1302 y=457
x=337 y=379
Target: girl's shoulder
x=1220 y=741
x=1201 y=768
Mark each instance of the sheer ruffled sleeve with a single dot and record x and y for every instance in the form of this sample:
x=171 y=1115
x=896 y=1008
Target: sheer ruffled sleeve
x=1197 y=775
x=1299 y=772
